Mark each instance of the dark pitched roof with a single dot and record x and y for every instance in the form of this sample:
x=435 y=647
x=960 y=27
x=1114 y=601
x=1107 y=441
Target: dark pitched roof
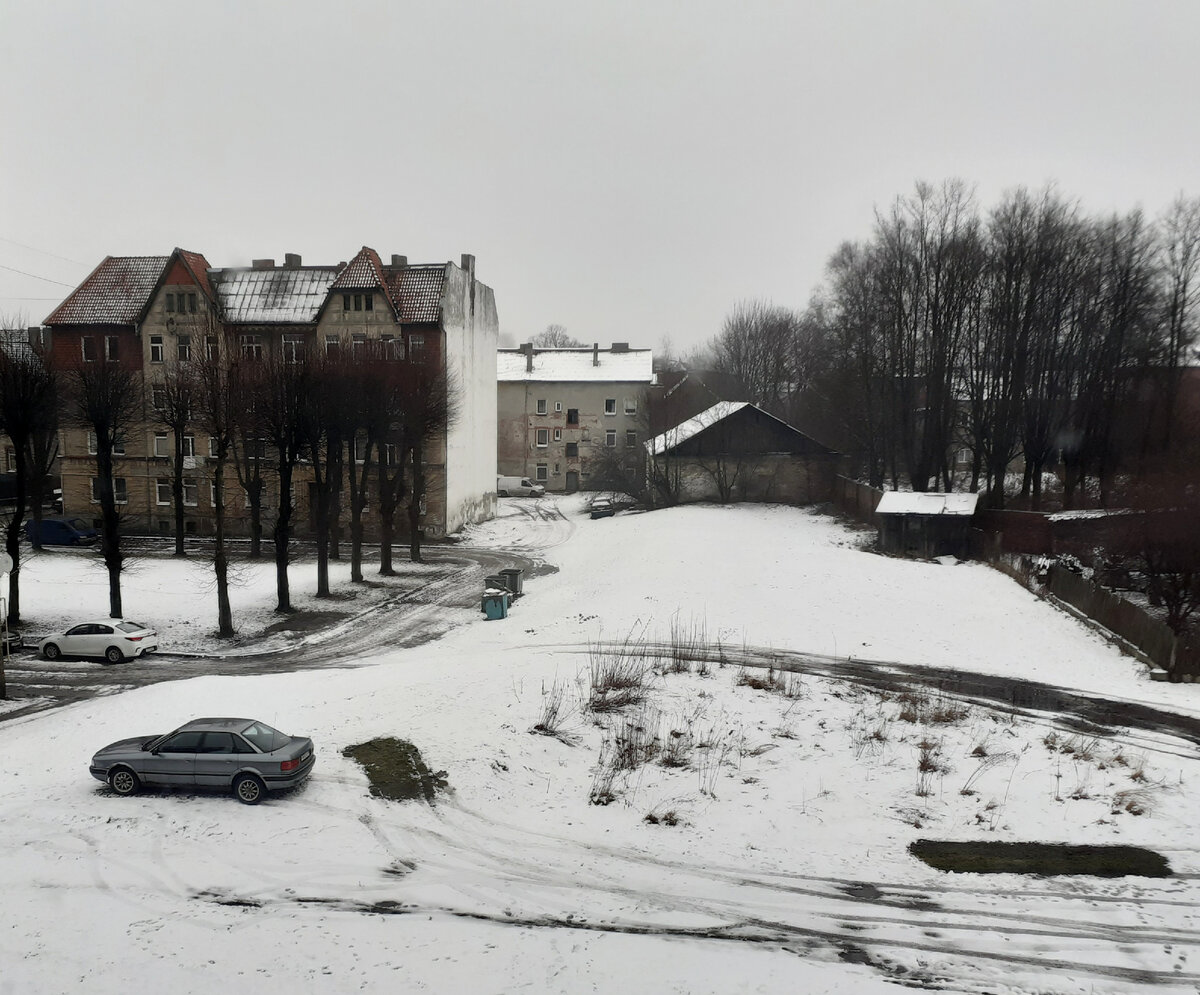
x=273 y=296
x=115 y=293
x=417 y=292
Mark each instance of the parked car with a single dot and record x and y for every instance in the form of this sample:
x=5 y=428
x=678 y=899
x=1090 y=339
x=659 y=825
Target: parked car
x=61 y=532
x=518 y=487
x=113 y=639
x=609 y=505
x=10 y=641
x=244 y=756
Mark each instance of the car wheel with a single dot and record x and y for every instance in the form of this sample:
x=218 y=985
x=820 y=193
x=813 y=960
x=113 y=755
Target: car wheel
x=249 y=789
x=123 y=781
x=113 y=654
x=501 y=493
x=51 y=651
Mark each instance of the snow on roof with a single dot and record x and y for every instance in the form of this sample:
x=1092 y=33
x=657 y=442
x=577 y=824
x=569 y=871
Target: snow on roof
x=115 y=293
x=254 y=296
x=417 y=291
x=575 y=365
x=913 y=503
x=673 y=437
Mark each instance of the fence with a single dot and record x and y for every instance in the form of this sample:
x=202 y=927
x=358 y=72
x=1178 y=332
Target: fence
x=856 y=499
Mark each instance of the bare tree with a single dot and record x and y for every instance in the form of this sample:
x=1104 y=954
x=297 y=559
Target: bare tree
x=428 y=408
x=174 y=396
x=248 y=386
x=106 y=399
x=555 y=337
x=757 y=344
x=28 y=400
x=215 y=397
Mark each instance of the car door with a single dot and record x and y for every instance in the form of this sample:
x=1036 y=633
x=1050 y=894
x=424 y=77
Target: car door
x=216 y=760
x=173 y=763
x=79 y=640
x=102 y=639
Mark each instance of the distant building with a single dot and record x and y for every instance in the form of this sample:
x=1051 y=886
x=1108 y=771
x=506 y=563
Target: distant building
x=147 y=312
x=572 y=419
x=736 y=451
x=925 y=525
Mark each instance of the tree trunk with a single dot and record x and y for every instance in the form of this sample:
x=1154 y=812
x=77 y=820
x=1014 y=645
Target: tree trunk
x=220 y=559
x=177 y=492
x=283 y=524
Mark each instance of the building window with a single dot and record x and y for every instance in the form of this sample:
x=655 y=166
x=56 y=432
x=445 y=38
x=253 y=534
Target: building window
x=10 y=459
x=162 y=491
x=118 y=448
x=610 y=405
x=345 y=302
x=292 y=347
x=189 y=445
x=610 y=437
x=558 y=435
x=558 y=405
x=171 y=303
x=543 y=438
x=416 y=347
x=158 y=396
x=572 y=450
x=185 y=348
x=358 y=302
x=572 y=416
x=631 y=405
x=251 y=346
x=360 y=449
x=212 y=446
x=89 y=349
x=392 y=347
x=162 y=445
x=369 y=302
x=211 y=350
x=631 y=438
x=119 y=490
x=192 y=303
x=333 y=345
x=191 y=493
x=541 y=406
x=212 y=493
x=156 y=349
x=542 y=472
x=358 y=344
x=111 y=348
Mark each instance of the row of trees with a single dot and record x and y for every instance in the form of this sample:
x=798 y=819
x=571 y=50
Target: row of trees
x=1034 y=331
x=359 y=419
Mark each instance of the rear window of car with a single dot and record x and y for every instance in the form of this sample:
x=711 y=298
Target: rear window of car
x=130 y=626
x=264 y=737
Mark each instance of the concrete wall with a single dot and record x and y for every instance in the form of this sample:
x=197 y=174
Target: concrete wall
x=471 y=338
x=517 y=450
x=771 y=478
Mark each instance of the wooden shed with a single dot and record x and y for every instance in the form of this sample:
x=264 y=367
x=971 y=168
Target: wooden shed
x=925 y=525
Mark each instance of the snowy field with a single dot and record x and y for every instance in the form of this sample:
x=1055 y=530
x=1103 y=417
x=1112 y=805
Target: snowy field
x=759 y=846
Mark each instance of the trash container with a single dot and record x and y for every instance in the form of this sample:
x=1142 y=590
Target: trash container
x=496 y=582
x=495 y=606
x=512 y=580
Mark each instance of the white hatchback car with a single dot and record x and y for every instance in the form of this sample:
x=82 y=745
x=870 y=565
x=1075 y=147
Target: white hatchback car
x=113 y=639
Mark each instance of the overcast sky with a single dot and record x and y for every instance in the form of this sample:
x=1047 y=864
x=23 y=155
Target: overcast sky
x=629 y=170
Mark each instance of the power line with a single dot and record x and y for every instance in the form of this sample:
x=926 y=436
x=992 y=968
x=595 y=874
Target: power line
x=52 y=255
x=36 y=277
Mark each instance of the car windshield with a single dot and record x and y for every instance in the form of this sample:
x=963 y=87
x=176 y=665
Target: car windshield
x=130 y=626
x=80 y=524
x=264 y=737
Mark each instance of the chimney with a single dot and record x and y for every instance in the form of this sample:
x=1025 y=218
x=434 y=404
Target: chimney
x=620 y=347
x=468 y=266
x=399 y=261
x=595 y=353
x=291 y=260
x=527 y=348
x=262 y=264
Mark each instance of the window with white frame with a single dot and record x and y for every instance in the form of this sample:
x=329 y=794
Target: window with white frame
x=391 y=347
x=117 y=450
x=358 y=344
x=183 y=347
x=333 y=345
x=416 y=347
x=191 y=493
x=189 y=445
x=610 y=437
x=542 y=471
x=211 y=348
x=630 y=437
x=251 y=345
x=10 y=459
x=162 y=491
x=360 y=449
x=212 y=493
x=558 y=405
x=631 y=405
x=88 y=344
x=162 y=444
x=610 y=405
x=558 y=435
x=120 y=491
x=157 y=351
x=541 y=406
x=212 y=446
x=111 y=348
x=158 y=396
x=543 y=437
x=292 y=347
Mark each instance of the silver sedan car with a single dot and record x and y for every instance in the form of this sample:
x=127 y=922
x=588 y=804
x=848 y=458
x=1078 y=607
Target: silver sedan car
x=242 y=755
x=113 y=639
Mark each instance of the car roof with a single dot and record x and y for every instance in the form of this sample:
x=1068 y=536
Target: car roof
x=107 y=621
x=234 y=725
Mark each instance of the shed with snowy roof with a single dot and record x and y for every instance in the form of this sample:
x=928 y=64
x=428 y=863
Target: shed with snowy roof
x=925 y=525
x=736 y=451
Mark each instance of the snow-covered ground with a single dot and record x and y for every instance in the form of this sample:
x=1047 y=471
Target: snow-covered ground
x=785 y=869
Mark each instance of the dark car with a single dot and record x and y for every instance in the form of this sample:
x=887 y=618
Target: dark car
x=61 y=532
x=242 y=755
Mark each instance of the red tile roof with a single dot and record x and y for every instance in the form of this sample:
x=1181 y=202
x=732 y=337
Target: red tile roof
x=198 y=266
x=364 y=272
x=417 y=291
x=116 y=292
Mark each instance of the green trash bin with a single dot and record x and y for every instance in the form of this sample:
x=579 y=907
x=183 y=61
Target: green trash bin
x=495 y=606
